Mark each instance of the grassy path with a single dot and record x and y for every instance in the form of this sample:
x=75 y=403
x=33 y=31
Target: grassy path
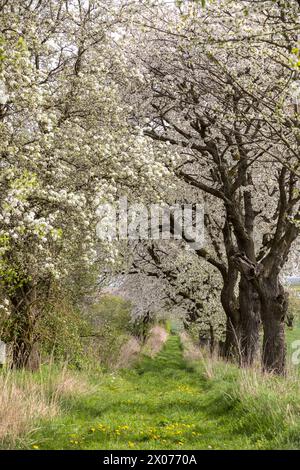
x=160 y=404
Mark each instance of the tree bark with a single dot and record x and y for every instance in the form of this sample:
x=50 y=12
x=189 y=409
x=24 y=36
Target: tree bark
x=21 y=353
x=249 y=322
x=243 y=324
x=273 y=310
x=274 y=348
x=230 y=349
x=22 y=331
x=229 y=301
x=274 y=302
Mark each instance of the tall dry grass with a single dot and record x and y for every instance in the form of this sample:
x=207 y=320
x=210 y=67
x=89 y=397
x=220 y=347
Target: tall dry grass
x=264 y=406
x=132 y=349
x=129 y=353
x=193 y=353
x=26 y=398
x=190 y=351
x=155 y=341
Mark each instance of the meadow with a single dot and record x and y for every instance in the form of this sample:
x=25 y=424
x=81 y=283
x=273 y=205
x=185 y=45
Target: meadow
x=178 y=399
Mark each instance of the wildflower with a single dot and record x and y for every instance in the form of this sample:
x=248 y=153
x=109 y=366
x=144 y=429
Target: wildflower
x=73 y=442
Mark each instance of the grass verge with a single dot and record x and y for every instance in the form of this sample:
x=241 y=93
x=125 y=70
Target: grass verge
x=26 y=398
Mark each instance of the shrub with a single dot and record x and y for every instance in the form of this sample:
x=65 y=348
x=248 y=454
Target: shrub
x=110 y=320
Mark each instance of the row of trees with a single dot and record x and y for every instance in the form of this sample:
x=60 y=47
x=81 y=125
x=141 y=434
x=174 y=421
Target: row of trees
x=66 y=145
x=219 y=87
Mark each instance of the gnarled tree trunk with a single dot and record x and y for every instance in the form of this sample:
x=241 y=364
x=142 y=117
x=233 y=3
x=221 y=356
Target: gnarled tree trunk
x=22 y=338
x=273 y=309
x=243 y=323
x=250 y=322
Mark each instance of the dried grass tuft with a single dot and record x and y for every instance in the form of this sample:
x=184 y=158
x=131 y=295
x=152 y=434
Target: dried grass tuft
x=26 y=398
x=157 y=338
x=128 y=354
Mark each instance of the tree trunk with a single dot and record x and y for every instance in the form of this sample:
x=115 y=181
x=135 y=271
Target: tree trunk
x=230 y=349
x=21 y=353
x=249 y=322
x=22 y=339
x=243 y=325
x=274 y=303
x=274 y=349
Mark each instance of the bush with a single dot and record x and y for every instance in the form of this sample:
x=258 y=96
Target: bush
x=110 y=320
x=62 y=332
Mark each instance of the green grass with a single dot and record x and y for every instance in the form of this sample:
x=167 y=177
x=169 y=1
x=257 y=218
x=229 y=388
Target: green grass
x=164 y=403
x=292 y=334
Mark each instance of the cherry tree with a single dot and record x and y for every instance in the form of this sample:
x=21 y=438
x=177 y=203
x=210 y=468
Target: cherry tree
x=65 y=147
x=162 y=278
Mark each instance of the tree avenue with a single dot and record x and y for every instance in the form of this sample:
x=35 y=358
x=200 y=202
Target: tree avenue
x=218 y=87
x=183 y=101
